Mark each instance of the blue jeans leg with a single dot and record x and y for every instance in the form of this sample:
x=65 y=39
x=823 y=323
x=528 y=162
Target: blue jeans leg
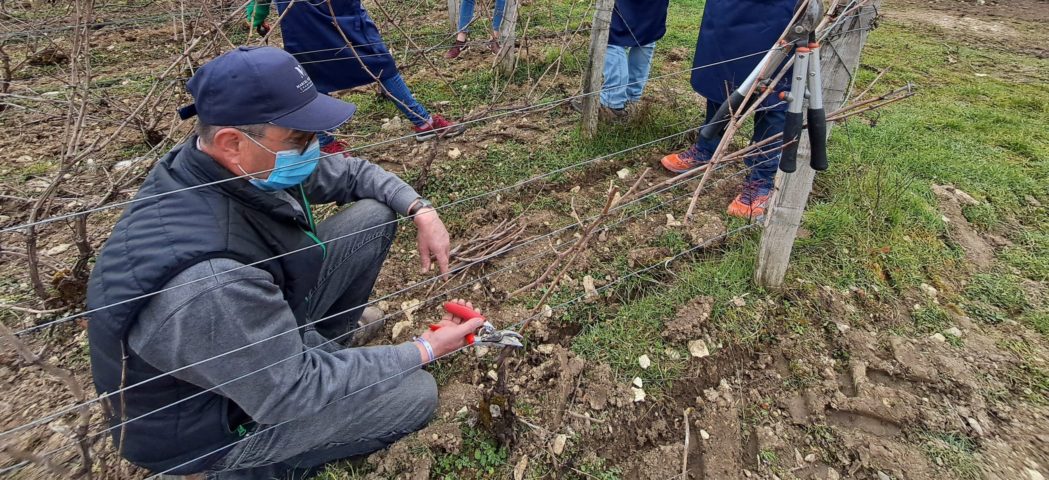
x=405 y=102
x=497 y=17
x=640 y=64
x=466 y=14
x=766 y=124
x=613 y=92
x=359 y=238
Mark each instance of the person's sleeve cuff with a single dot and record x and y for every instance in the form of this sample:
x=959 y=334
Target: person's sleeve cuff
x=403 y=199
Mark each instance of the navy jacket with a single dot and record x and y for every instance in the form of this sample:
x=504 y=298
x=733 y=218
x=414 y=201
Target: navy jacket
x=321 y=49
x=736 y=28
x=638 y=22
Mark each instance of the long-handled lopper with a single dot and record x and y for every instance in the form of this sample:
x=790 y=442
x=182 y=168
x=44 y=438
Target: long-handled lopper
x=805 y=82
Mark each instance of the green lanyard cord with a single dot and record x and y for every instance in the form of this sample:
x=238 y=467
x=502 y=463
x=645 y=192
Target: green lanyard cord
x=313 y=226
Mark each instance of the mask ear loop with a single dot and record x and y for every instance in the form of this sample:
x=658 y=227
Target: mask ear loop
x=256 y=142
x=246 y=174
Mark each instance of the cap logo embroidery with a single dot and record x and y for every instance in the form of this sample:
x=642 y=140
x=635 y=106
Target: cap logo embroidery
x=306 y=83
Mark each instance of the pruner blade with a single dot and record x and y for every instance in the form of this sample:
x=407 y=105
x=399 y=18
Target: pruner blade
x=489 y=336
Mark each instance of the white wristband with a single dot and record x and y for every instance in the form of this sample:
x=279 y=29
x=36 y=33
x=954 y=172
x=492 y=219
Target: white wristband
x=429 y=349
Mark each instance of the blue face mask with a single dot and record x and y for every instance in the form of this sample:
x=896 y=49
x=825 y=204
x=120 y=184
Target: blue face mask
x=290 y=168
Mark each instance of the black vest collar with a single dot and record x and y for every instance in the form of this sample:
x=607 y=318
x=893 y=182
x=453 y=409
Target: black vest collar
x=205 y=170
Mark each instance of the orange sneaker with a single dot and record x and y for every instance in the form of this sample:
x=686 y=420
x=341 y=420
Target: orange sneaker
x=685 y=161
x=751 y=202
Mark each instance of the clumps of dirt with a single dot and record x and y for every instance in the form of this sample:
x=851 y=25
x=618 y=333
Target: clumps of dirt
x=977 y=250
x=645 y=256
x=658 y=463
x=445 y=437
x=559 y=374
x=704 y=227
x=455 y=398
x=836 y=304
x=401 y=461
x=678 y=54
x=601 y=391
x=720 y=443
x=689 y=321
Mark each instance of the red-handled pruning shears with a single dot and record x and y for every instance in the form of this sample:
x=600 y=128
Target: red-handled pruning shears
x=487 y=335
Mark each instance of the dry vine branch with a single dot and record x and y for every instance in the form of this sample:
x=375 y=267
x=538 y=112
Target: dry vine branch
x=481 y=248
x=411 y=41
x=565 y=259
x=84 y=417
x=77 y=149
x=80 y=78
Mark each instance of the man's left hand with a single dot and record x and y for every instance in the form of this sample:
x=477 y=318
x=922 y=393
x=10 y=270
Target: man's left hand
x=432 y=239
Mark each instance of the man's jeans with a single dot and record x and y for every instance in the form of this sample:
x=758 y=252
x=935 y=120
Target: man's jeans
x=466 y=15
x=766 y=124
x=345 y=428
x=626 y=73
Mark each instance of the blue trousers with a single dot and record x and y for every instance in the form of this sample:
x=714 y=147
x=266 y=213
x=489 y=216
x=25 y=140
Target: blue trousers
x=626 y=73
x=466 y=14
x=398 y=90
x=766 y=124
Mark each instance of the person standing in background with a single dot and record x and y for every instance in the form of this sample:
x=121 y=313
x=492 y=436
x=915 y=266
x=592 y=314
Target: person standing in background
x=466 y=16
x=318 y=40
x=733 y=37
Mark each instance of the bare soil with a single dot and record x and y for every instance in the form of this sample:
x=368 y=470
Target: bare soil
x=856 y=401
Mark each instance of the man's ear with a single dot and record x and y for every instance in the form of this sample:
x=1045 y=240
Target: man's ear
x=228 y=143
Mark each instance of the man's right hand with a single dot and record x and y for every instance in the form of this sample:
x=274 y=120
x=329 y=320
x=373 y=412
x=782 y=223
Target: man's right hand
x=451 y=336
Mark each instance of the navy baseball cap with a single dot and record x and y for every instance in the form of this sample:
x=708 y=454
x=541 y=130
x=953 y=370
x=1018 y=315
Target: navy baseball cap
x=252 y=85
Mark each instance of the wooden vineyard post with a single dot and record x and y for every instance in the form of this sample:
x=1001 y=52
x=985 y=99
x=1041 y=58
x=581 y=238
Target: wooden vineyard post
x=453 y=13
x=593 y=74
x=506 y=59
x=840 y=58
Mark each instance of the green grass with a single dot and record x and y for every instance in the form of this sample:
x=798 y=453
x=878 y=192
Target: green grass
x=1030 y=254
x=480 y=457
x=635 y=328
x=1002 y=291
x=1039 y=321
x=930 y=318
x=1027 y=378
x=954 y=452
x=988 y=314
x=594 y=468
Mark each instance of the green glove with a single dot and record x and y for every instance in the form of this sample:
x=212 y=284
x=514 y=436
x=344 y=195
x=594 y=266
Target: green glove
x=256 y=12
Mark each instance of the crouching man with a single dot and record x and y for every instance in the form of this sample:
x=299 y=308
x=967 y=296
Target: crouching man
x=222 y=312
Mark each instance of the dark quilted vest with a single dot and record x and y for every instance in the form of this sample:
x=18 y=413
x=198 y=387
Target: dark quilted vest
x=156 y=239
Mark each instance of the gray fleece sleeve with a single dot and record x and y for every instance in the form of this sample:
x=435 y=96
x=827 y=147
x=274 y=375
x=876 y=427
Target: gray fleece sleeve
x=343 y=179
x=228 y=310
